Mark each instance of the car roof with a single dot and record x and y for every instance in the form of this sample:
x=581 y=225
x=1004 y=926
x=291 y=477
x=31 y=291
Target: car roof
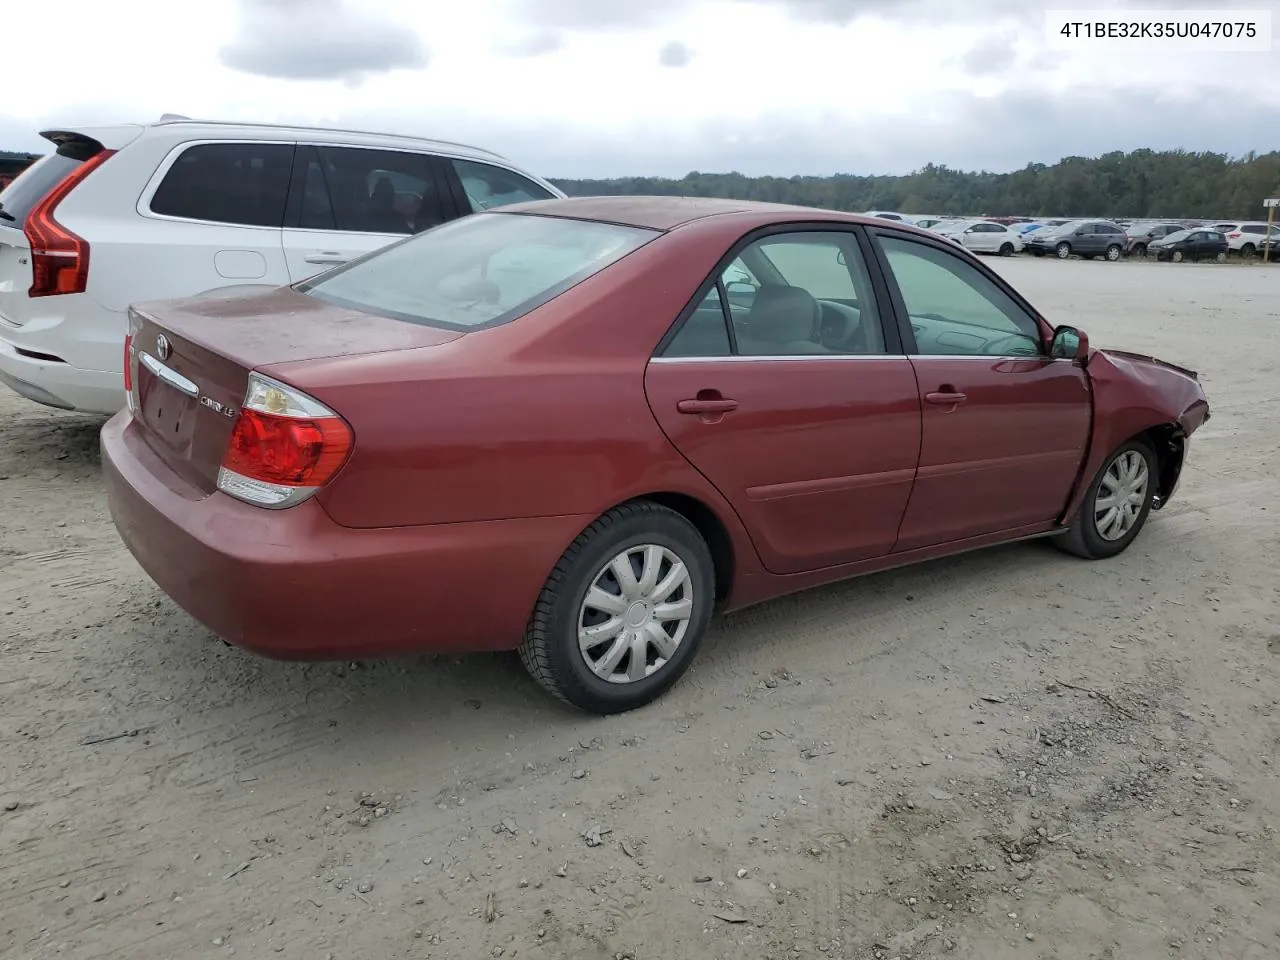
x=111 y=135
x=667 y=213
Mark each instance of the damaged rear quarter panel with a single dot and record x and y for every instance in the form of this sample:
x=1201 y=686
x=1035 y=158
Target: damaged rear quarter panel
x=1131 y=395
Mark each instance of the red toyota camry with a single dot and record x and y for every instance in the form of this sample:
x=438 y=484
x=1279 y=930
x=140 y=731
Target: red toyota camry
x=578 y=427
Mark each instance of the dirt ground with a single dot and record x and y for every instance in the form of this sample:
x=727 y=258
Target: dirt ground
x=1014 y=754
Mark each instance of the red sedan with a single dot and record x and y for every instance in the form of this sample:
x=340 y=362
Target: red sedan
x=578 y=427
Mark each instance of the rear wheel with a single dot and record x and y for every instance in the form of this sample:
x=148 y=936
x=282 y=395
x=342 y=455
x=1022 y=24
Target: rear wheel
x=1113 y=252
x=1140 y=250
x=1063 y=250
x=624 y=610
x=1248 y=250
x=1006 y=250
x=1115 y=506
x=1221 y=257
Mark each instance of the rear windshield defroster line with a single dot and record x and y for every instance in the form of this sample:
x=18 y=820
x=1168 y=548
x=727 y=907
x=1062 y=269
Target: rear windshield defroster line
x=479 y=271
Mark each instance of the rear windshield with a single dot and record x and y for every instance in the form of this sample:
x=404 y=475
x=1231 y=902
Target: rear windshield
x=479 y=271
x=31 y=186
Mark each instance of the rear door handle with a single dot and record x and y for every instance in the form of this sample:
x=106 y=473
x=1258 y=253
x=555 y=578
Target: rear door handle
x=944 y=398
x=707 y=406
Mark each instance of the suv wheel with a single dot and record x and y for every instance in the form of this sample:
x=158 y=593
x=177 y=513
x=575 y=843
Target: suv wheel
x=1139 y=250
x=1063 y=250
x=1113 y=252
x=1248 y=250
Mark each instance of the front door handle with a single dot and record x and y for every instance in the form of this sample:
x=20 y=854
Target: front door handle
x=704 y=406
x=327 y=259
x=945 y=398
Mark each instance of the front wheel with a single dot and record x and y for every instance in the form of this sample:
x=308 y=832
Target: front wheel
x=1113 y=253
x=1221 y=257
x=1248 y=250
x=1140 y=251
x=1063 y=251
x=1115 y=506
x=1006 y=250
x=1178 y=256
x=623 y=612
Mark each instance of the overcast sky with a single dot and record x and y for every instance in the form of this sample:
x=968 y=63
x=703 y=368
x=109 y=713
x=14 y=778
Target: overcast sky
x=599 y=88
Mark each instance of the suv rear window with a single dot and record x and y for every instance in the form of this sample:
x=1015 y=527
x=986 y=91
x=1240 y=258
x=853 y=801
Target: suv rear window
x=479 y=271
x=241 y=183
x=32 y=185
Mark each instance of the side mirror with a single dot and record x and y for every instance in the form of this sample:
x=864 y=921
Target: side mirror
x=1069 y=344
x=740 y=292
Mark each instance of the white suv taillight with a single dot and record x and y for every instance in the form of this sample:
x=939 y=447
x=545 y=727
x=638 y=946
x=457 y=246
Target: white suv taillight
x=59 y=258
x=284 y=447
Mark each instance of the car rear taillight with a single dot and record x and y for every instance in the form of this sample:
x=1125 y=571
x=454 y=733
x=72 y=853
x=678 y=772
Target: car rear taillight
x=59 y=258
x=131 y=363
x=1236 y=235
x=284 y=447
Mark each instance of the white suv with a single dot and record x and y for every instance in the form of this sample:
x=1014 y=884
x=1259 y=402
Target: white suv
x=1247 y=237
x=179 y=208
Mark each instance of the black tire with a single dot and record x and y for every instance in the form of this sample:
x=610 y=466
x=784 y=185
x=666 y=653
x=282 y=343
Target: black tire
x=1248 y=250
x=1006 y=250
x=550 y=647
x=1139 y=251
x=1082 y=538
x=1113 y=252
x=1063 y=250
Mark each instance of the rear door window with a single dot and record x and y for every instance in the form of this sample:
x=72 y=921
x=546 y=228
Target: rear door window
x=32 y=185
x=487 y=186
x=358 y=190
x=238 y=183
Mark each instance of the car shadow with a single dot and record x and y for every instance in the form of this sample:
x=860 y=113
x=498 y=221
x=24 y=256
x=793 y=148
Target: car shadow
x=48 y=443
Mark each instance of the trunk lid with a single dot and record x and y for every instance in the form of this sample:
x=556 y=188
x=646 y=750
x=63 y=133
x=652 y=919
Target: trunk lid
x=194 y=358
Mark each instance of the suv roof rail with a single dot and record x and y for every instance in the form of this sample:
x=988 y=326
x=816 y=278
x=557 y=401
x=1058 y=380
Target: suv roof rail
x=172 y=118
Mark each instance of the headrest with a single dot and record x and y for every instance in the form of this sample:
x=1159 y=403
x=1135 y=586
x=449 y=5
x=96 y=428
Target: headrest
x=782 y=314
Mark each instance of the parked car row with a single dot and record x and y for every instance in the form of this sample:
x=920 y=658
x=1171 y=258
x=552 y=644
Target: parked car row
x=348 y=422
x=1111 y=240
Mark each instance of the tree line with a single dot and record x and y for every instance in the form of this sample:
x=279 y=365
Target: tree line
x=1144 y=183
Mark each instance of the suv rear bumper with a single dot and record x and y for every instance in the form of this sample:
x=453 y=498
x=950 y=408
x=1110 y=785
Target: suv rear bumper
x=60 y=384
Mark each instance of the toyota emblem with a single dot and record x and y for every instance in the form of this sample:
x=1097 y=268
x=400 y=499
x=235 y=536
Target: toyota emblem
x=162 y=347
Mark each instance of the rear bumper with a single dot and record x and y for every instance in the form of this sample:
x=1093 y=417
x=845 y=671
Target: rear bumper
x=292 y=584
x=60 y=384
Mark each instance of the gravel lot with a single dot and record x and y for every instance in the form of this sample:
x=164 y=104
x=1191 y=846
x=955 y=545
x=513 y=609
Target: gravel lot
x=908 y=765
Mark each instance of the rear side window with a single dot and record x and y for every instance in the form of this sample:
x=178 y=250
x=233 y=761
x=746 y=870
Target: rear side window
x=487 y=186
x=478 y=271
x=239 y=183
x=1254 y=228
x=369 y=191
x=32 y=185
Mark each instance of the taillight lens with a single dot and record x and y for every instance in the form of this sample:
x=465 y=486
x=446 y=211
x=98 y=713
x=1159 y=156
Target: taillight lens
x=1235 y=236
x=284 y=447
x=59 y=258
x=131 y=362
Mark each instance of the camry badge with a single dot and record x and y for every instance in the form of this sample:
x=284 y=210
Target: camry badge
x=217 y=407
x=162 y=347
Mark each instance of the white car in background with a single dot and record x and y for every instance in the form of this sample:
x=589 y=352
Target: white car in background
x=179 y=208
x=983 y=236
x=1245 y=238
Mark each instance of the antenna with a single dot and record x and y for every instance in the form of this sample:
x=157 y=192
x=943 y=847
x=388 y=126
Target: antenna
x=172 y=116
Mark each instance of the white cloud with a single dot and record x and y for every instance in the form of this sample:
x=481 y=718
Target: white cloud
x=577 y=88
